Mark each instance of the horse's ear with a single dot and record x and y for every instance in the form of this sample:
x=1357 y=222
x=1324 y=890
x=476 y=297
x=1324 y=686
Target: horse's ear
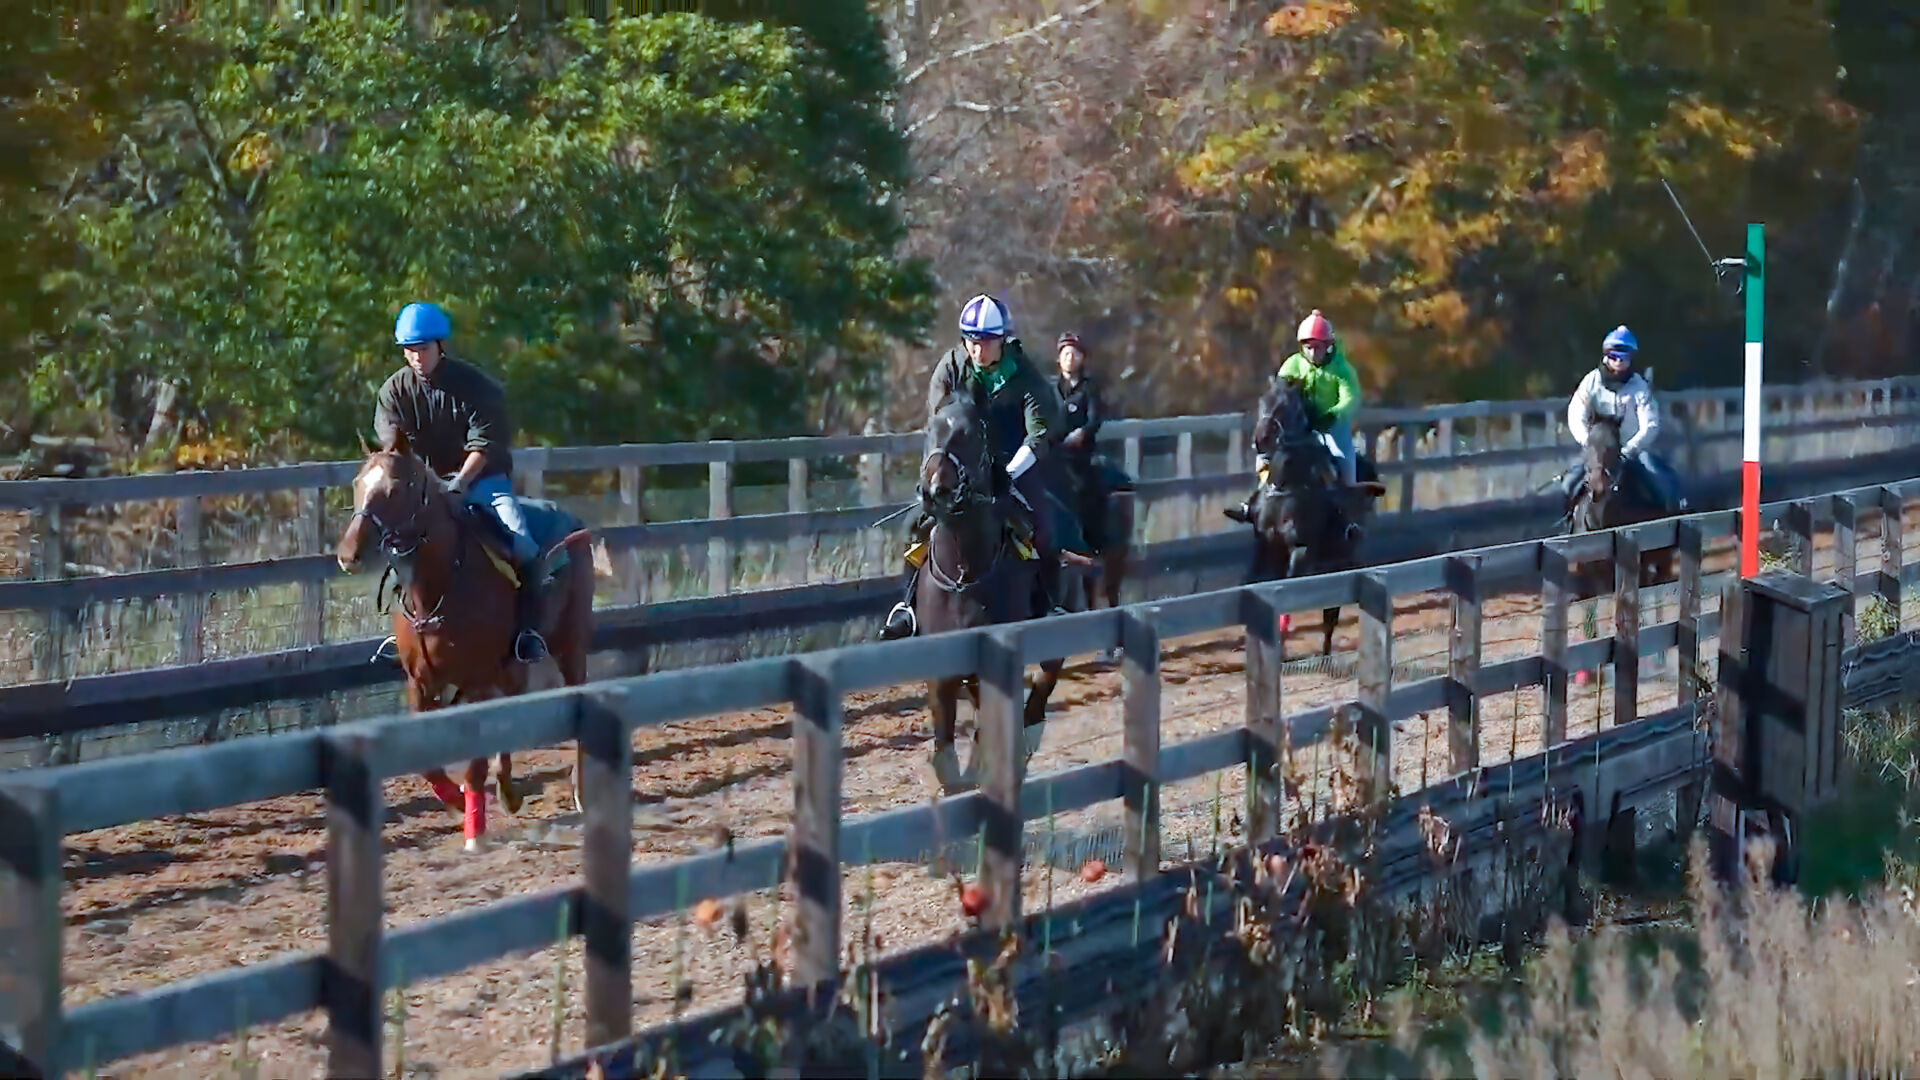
x=365 y=450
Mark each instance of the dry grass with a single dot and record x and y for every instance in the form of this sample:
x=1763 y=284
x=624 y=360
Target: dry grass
x=1766 y=985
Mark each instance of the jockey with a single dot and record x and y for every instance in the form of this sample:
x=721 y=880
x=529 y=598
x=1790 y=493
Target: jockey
x=1019 y=410
x=1332 y=393
x=455 y=418
x=1613 y=388
x=1081 y=413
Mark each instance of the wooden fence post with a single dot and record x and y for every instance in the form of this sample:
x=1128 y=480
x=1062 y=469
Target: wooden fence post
x=1140 y=696
x=313 y=541
x=1003 y=762
x=31 y=929
x=1555 y=591
x=800 y=544
x=633 y=511
x=1183 y=469
x=873 y=490
x=1686 y=648
x=1463 y=664
x=355 y=911
x=1376 y=679
x=1261 y=617
x=814 y=843
x=606 y=858
x=1406 y=456
x=1846 y=560
x=1893 y=551
x=1626 y=628
x=1800 y=527
x=719 y=507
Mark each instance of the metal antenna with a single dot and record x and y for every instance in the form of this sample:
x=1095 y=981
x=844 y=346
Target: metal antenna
x=1721 y=267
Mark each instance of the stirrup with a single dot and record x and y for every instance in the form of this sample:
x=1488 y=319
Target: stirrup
x=529 y=647
x=912 y=622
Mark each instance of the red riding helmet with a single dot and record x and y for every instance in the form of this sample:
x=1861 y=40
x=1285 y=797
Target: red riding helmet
x=1315 y=327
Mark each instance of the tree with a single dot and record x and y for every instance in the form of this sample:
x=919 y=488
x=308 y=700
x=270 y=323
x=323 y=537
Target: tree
x=652 y=228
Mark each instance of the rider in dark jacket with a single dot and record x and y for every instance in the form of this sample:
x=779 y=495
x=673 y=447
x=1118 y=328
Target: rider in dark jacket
x=455 y=417
x=1081 y=414
x=1020 y=412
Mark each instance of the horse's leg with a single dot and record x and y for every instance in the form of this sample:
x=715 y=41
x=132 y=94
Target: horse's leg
x=943 y=703
x=570 y=651
x=1035 y=717
x=476 y=816
x=437 y=780
x=1329 y=618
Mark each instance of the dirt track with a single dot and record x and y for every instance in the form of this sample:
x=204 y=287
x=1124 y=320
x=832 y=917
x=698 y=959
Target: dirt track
x=166 y=900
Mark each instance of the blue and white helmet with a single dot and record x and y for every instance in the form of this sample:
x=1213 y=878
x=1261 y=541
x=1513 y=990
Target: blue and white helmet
x=1620 y=342
x=984 y=317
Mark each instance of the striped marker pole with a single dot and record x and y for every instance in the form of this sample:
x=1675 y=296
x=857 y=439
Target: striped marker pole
x=1752 y=402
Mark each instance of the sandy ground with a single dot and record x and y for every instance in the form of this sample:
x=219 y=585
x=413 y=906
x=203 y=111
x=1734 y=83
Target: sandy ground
x=166 y=900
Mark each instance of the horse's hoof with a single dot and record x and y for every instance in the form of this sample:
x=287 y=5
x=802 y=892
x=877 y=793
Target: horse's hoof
x=946 y=769
x=510 y=796
x=1030 y=737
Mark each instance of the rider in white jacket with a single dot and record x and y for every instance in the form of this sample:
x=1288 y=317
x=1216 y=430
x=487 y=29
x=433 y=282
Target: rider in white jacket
x=1615 y=389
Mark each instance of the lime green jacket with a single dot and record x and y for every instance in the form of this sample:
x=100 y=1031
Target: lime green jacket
x=1333 y=391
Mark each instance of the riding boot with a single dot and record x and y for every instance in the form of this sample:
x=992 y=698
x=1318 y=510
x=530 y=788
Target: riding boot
x=1242 y=512
x=528 y=646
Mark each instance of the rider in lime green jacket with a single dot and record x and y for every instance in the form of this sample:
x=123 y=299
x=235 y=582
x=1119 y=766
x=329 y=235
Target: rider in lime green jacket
x=1332 y=392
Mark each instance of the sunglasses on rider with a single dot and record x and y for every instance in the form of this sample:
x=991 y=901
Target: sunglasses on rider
x=1619 y=354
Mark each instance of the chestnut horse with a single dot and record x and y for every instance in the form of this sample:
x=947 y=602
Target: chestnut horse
x=453 y=627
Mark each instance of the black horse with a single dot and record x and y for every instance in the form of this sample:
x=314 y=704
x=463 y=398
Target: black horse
x=1298 y=512
x=975 y=573
x=1612 y=495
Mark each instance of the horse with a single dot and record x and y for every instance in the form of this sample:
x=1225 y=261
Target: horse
x=972 y=576
x=454 y=625
x=1116 y=535
x=1606 y=501
x=1294 y=513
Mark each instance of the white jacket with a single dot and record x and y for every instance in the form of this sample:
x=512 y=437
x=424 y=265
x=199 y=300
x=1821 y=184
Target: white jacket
x=1632 y=403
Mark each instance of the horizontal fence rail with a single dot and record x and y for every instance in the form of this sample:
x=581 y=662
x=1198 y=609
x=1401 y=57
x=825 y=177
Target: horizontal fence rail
x=1613 y=768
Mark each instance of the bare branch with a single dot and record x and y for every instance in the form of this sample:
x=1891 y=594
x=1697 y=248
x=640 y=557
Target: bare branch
x=1056 y=19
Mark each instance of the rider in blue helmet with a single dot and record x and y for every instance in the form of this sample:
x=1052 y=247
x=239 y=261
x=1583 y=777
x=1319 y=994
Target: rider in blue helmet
x=1614 y=388
x=455 y=418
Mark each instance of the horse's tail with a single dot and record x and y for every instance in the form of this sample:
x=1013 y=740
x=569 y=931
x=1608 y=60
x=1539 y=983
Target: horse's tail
x=580 y=541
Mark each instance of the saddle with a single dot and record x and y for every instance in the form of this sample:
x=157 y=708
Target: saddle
x=551 y=525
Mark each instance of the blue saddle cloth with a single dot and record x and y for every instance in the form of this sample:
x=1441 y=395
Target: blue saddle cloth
x=547 y=520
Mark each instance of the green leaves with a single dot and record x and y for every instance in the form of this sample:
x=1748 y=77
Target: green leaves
x=650 y=228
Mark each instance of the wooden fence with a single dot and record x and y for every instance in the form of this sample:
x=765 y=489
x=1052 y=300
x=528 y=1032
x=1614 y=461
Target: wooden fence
x=65 y=703
x=1600 y=774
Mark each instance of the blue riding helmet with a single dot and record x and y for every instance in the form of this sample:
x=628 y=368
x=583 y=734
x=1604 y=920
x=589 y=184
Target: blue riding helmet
x=1620 y=343
x=421 y=323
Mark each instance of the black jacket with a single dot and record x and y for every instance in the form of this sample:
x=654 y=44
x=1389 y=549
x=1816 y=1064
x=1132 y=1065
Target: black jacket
x=459 y=410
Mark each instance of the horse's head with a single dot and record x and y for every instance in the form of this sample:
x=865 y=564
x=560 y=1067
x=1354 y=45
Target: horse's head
x=1283 y=414
x=1602 y=455
x=394 y=498
x=953 y=473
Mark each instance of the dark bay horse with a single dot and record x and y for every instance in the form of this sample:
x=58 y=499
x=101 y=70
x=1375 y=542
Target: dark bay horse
x=1609 y=499
x=453 y=625
x=1294 y=519
x=973 y=575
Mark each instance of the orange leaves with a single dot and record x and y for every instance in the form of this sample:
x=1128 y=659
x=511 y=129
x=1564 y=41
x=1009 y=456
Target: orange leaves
x=1308 y=18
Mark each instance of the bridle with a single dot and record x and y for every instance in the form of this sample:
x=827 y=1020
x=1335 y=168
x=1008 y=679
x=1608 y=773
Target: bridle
x=945 y=511
x=400 y=543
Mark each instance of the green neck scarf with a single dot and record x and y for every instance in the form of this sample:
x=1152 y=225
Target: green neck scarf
x=997 y=376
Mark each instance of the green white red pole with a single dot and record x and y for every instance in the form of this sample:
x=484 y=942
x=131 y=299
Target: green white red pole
x=1750 y=442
